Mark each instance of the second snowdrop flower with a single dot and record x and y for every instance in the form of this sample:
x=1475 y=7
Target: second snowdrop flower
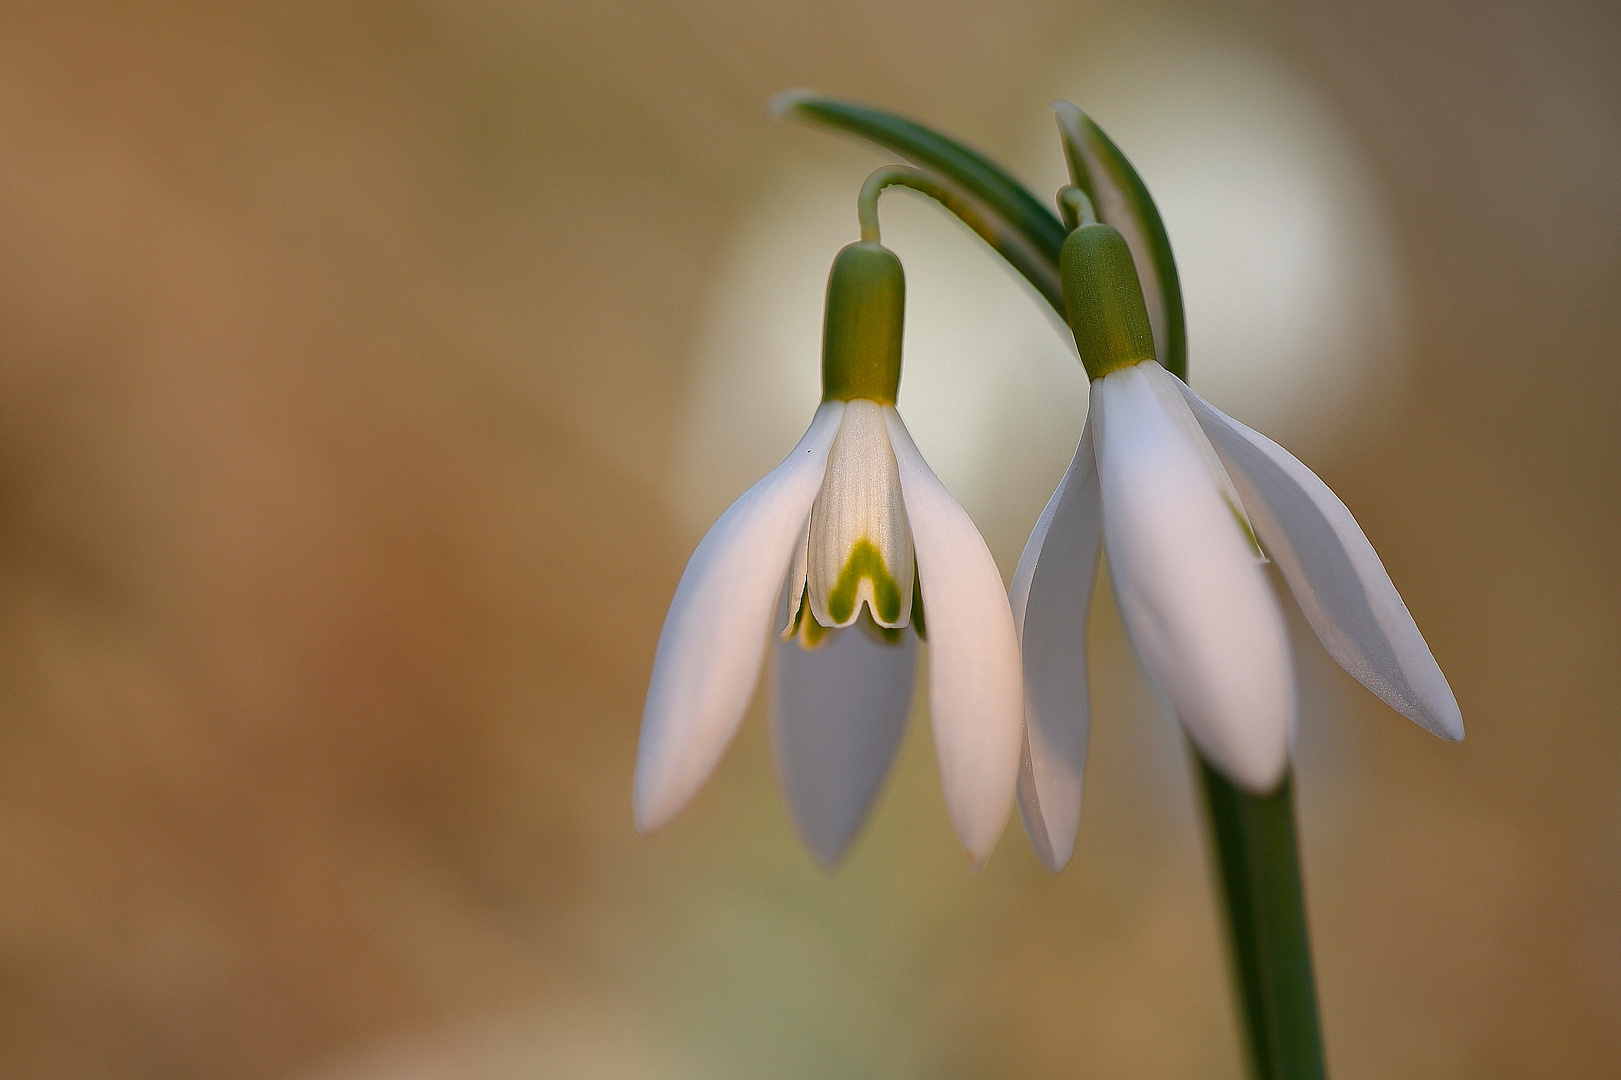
x=1190 y=505
x=840 y=554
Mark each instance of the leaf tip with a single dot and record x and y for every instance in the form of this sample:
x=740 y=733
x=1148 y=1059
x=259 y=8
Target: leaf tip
x=786 y=102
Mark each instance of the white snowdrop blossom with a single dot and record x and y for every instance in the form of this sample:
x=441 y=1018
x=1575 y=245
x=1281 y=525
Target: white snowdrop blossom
x=840 y=555
x=1190 y=505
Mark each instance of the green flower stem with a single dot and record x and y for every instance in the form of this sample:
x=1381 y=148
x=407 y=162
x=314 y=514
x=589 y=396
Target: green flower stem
x=1256 y=846
x=987 y=228
x=1028 y=234
x=1076 y=206
x=1259 y=874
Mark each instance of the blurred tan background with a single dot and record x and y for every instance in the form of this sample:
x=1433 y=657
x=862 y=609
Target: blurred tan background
x=344 y=352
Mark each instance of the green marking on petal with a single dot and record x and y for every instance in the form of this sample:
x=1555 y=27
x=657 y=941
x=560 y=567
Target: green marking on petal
x=917 y=610
x=865 y=562
x=1244 y=524
x=812 y=633
x=804 y=628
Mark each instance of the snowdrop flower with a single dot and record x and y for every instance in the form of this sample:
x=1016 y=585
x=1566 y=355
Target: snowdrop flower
x=847 y=553
x=1190 y=505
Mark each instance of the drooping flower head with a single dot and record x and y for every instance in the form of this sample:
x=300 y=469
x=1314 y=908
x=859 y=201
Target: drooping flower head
x=839 y=555
x=1190 y=505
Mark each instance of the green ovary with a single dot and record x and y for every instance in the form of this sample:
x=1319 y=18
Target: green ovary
x=865 y=561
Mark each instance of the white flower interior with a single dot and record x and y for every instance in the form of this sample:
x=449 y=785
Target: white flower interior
x=858 y=549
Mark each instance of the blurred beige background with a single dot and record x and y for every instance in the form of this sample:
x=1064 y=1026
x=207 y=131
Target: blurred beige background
x=349 y=360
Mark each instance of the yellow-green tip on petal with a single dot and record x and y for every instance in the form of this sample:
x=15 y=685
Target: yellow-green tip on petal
x=1103 y=300
x=865 y=563
x=861 y=336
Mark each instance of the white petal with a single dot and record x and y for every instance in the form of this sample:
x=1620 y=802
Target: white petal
x=1200 y=612
x=1336 y=576
x=837 y=715
x=1169 y=390
x=714 y=637
x=794 y=591
x=1051 y=595
x=860 y=500
x=975 y=692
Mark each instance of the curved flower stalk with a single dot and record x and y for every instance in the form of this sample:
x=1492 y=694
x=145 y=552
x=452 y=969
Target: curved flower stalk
x=841 y=553
x=1190 y=505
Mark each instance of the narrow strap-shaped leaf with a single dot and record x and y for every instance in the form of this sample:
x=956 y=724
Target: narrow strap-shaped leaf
x=1031 y=235
x=1097 y=167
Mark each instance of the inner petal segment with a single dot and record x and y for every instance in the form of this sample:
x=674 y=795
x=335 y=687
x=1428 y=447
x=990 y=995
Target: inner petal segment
x=860 y=550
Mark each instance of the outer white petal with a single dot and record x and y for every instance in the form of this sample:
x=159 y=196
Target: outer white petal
x=1051 y=595
x=837 y=715
x=1196 y=602
x=975 y=691
x=1336 y=576
x=714 y=636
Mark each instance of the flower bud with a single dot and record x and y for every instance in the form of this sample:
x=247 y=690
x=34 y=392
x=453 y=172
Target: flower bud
x=861 y=336
x=1103 y=300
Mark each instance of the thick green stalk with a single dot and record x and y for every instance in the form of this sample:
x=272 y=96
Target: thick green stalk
x=1258 y=870
x=1256 y=846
